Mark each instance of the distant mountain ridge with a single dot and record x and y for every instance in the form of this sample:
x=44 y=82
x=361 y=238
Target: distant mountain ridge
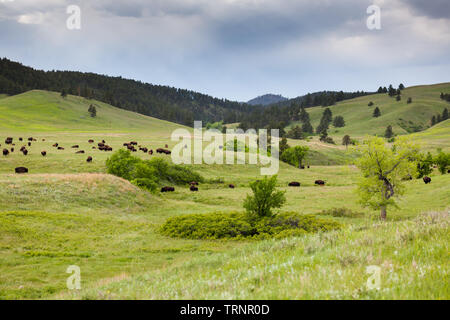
x=267 y=99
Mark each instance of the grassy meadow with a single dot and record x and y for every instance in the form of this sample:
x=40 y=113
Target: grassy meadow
x=70 y=212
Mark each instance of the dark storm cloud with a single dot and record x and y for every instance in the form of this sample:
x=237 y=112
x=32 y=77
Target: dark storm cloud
x=235 y=48
x=430 y=8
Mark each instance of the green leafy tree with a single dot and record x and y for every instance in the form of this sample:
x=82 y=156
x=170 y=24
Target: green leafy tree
x=442 y=160
x=295 y=156
x=376 y=112
x=424 y=165
x=389 y=133
x=382 y=170
x=265 y=198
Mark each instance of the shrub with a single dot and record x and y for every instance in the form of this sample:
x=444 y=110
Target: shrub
x=442 y=160
x=424 y=165
x=264 y=198
x=341 y=212
x=238 y=226
x=148 y=174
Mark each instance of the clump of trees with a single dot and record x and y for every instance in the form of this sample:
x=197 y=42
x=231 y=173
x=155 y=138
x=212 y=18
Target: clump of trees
x=439 y=118
x=325 y=138
x=295 y=156
x=295 y=133
x=346 y=141
x=445 y=96
x=442 y=160
x=382 y=170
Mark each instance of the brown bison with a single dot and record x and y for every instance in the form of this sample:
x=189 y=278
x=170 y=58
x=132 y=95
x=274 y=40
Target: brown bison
x=79 y=152
x=231 y=186
x=150 y=152
x=294 y=184
x=5 y=152
x=319 y=182
x=56 y=145
x=8 y=140
x=89 y=159
x=193 y=183
x=193 y=188
x=25 y=152
x=21 y=170
x=30 y=139
x=75 y=146
x=12 y=149
x=427 y=180
x=91 y=141
x=20 y=139
x=167 y=189
x=29 y=144
x=60 y=148
x=44 y=153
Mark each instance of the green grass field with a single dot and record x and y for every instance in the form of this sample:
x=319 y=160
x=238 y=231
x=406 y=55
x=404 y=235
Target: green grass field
x=68 y=212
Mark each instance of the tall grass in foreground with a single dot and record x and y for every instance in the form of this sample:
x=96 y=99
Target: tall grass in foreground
x=412 y=255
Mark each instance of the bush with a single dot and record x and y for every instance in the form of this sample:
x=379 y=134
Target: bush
x=342 y=212
x=238 y=226
x=442 y=160
x=264 y=198
x=148 y=174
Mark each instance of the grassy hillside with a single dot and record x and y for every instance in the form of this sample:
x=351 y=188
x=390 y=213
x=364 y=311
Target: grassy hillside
x=404 y=118
x=43 y=111
x=435 y=137
x=69 y=212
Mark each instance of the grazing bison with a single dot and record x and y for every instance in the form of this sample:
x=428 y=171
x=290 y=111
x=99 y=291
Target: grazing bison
x=12 y=149
x=21 y=170
x=8 y=140
x=60 y=148
x=294 y=184
x=231 y=186
x=167 y=146
x=89 y=159
x=133 y=143
x=167 y=189
x=56 y=145
x=193 y=188
x=193 y=183
x=25 y=152
x=5 y=152
x=79 y=152
x=150 y=152
x=91 y=141
x=44 y=153
x=20 y=139
x=427 y=180
x=319 y=182
x=30 y=139
x=165 y=151
x=75 y=146
x=29 y=144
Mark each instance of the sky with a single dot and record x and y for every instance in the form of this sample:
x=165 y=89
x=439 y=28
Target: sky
x=236 y=49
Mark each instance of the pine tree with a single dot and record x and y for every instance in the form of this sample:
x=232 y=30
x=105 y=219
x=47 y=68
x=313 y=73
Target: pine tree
x=445 y=114
x=380 y=90
x=433 y=120
x=93 y=111
x=398 y=98
x=346 y=140
x=339 y=122
x=409 y=100
x=63 y=93
x=401 y=87
x=376 y=112
x=391 y=91
x=370 y=104
x=389 y=133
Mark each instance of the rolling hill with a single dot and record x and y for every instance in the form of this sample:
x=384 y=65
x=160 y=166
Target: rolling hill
x=267 y=99
x=405 y=118
x=45 y=111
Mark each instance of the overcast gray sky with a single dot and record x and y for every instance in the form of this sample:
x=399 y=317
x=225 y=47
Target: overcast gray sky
x=236 y=49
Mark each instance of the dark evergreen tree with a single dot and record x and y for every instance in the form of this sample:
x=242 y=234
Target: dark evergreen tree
x=376 y=112
x=346 y=140
x=401 y=87
x=92 y=111
x=63 y=93
x=339 y=122
x=445 y=114
x=389 y=133
x=433 y=120
x=409 y=100
x=398 y=98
